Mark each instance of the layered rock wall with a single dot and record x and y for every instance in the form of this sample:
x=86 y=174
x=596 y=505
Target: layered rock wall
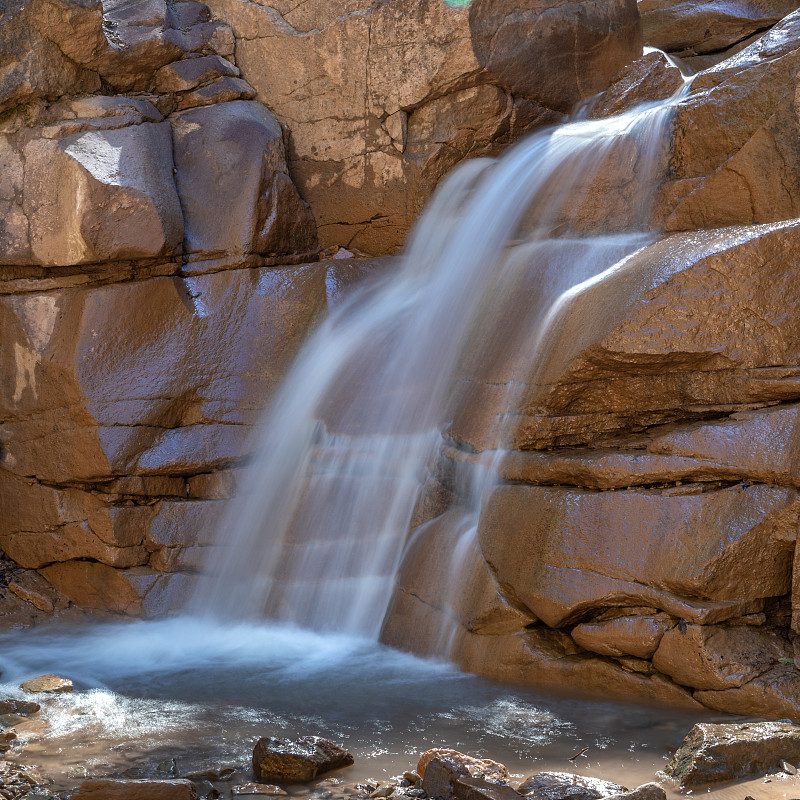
x=641 y=538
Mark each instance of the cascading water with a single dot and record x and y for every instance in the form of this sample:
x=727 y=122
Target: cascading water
x=319 y=528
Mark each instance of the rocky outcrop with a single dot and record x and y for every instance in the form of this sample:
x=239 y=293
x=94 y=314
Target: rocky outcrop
x=642 y=539
x=145 y=202
x=383 y=98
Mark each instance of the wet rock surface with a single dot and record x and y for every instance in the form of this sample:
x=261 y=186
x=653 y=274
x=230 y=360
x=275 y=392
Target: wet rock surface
x=297 y=761
x=715 y=753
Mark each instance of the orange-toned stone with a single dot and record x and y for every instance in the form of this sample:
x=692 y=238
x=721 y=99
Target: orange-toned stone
x=566 y=552
x=714 y=657
x=625 y=635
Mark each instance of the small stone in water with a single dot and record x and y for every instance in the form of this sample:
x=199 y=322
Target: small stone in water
x=788 y=768
x=23 y=707
x=411 y=776
x=47 y=684
x=214 y=774
x=258 y=788
x=384 y=790
x=9 y=720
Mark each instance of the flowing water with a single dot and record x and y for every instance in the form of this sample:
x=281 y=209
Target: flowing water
x=318 y=531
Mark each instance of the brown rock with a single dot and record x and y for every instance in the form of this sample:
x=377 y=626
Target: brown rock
x=647 y=791
x=21 y=707
x=129 y=207
x=712 y=657
x=136 y=591
x=442 y=769
x=636 y=636
x=350 y=133
x=297 y=761
x=773 y=693
x=746 y=96
x=714 y=753
x=232 y=179
x=567 y=786
x=650 y=78
x=558 y=54
x=702 y=27
x=222 y=90
x=565 y=552
x=47 y=684
x=482 y=789
x=180 y=76
x=32 y=588
x=106 y=789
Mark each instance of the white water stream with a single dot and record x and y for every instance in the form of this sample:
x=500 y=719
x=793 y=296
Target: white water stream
x=318 y=531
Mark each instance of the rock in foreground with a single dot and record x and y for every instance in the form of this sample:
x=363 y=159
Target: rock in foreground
x=715 y=753
x=297 y=761
x=566 y=786
x=441 y=770
x=107 y=789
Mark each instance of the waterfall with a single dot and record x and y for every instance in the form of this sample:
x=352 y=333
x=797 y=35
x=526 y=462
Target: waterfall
x=321 y=522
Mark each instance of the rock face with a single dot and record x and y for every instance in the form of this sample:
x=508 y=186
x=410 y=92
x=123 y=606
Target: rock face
x=144 y=200
x=716 y=753
x=383 y=98
x=642 y=538
x=104 y=789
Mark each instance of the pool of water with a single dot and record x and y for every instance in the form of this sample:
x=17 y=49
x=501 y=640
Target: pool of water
x=203 y=692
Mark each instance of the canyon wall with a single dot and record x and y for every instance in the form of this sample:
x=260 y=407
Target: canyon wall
x=169 y=174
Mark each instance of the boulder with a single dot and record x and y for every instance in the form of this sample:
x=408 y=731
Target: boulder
x=467 y=788
x=236 y=194
x=647 y=791
x=21 y=707
x=91 y=196
x=624 y=635
x=297 y=761
x=442 y=769
x=568 y=552
x=725 y=180
x=47 y=684
x=356 y=94
x=694 y=26
x=108 y=789
x=554 y=53
x=713 y=657
x=567 y=786
x=713 y=753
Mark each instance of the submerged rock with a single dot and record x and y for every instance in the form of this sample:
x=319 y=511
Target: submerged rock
x=47 y=684
x=714 y=753
x=21 y=707
x=258 y=788
x=297 y=761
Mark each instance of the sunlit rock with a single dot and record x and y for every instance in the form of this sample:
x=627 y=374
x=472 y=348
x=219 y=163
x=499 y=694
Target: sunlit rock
x=344 y=82
x=715 y=753
x=566 y=786
x=47 y=684
x=441 y=769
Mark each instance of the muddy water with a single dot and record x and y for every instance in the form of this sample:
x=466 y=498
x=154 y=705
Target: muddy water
x=203 y=693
